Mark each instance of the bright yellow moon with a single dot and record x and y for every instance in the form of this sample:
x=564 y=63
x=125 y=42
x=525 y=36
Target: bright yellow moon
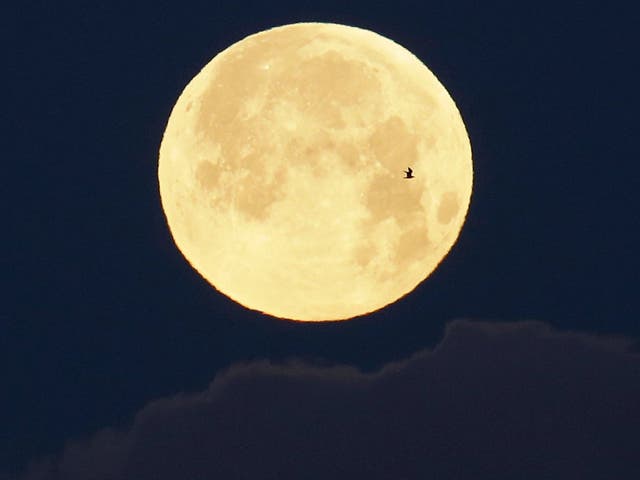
x=281 y=172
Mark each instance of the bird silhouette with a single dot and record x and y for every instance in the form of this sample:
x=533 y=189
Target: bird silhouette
x=408 y=173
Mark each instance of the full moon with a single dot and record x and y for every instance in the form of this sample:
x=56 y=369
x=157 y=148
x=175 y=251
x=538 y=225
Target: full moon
x=281 y=172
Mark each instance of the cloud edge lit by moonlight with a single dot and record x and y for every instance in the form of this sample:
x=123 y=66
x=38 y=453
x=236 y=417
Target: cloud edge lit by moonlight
x=491 y=400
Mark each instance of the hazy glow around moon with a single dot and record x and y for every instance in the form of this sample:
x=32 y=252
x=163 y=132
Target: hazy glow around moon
x=281 y=166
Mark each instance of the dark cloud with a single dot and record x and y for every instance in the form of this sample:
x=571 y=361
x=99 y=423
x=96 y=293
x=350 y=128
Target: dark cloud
x=492 y=400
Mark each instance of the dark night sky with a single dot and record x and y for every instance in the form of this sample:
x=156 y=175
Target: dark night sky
x=101 y=315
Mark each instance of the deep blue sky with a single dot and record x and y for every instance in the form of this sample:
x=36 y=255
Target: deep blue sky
x=100 y=312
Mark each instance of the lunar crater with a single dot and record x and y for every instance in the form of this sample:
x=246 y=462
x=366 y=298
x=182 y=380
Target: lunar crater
x=448 y=208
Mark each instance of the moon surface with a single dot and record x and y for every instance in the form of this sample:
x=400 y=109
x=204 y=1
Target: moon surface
x=281 y=172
